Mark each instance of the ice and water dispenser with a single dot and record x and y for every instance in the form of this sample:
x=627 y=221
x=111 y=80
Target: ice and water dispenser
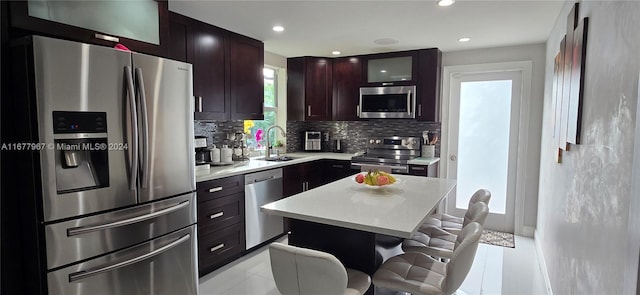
x=81 y=151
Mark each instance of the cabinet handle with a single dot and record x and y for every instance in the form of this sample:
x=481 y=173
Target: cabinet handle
x=106 y=37
x=409 y=103
x=215 y=189
x=199 y=103
x=419 y=110
x=387 y=84
x=358 y=110
x=338 y=166
x=213 y=249
x=309 y=111
x=219 y=214
x=417 y=168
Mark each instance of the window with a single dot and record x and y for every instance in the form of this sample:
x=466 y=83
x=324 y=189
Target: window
x=255 y=128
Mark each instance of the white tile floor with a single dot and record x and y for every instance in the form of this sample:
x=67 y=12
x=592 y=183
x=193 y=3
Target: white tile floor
x=495 y=270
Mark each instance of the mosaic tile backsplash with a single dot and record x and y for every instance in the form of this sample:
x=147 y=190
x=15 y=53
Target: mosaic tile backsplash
x=354 y=134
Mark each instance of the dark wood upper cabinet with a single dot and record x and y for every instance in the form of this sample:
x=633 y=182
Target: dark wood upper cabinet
x=428 y=86
x=347 y=77
x=23 y=22
x=180 y=45
x=309 y=88
x=393 y=68
x=210 y=79
x=247 y=79
x=227 y=69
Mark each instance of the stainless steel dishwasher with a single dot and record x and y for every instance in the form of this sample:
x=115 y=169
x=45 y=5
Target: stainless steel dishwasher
x=262 y=188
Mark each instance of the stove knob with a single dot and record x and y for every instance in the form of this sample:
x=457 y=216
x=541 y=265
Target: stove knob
x=377 y=141
x=414 y=142
x=404 y=142
x=371 y=141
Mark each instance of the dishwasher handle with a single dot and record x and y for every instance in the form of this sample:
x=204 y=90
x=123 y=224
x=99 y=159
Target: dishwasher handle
x=262 y=176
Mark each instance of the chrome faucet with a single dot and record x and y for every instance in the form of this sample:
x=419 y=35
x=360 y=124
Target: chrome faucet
x=267 y=154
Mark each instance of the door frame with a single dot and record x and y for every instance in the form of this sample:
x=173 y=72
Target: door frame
x=525 y=67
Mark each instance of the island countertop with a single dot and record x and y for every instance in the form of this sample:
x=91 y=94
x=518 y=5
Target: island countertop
x=397 y=210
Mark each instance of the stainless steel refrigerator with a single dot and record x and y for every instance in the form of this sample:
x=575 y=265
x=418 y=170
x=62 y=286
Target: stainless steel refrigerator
x=114 y=175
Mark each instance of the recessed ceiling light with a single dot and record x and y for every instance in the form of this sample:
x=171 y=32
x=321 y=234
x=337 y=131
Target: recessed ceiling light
x=278 y=28
x=335 y=52
x=383 y=71
x=465 y=39
x=446 y=2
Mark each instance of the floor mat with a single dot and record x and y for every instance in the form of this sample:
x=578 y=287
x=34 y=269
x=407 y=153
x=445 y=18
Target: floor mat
x=497 y=238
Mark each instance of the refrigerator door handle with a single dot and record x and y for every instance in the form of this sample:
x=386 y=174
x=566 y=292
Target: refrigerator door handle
x=144 y=128
x=87 y=229
x=133 y=159
x=92 y=272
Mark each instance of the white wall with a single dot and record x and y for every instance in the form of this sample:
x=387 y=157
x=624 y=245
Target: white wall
x=583 y=206
x=536 y=54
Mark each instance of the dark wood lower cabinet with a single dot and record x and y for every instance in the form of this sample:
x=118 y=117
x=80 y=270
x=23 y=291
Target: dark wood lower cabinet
x=361 y=250
x=221 y=232
x=220 y=248
x=424 y=170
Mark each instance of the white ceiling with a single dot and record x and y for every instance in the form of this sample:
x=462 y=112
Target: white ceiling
x=318 y=27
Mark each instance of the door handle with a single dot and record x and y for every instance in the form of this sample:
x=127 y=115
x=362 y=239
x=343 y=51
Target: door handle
x=145 y=129
x=91 y=228
x=409 y=103
x=88 y=273
x=453 y=157
x=133 y=171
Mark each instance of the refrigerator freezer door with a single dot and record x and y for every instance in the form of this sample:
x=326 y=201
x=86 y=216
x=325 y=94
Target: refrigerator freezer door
x=167 y=166
x=165 y=265
x=82 y=238
x=75 y=77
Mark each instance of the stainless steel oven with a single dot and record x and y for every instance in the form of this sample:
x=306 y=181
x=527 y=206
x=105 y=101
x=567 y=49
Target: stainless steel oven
x=394 y=102
x=390 y=154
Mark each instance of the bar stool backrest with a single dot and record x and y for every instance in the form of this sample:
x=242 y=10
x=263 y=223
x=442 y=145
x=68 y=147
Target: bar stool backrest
x=462 y=258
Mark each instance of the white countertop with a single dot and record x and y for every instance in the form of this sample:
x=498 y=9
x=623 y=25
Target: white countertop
x=255 y=164
x=397 y=210
x=423 y=161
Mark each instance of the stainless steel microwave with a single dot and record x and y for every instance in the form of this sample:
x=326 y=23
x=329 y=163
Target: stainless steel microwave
x=390 y=102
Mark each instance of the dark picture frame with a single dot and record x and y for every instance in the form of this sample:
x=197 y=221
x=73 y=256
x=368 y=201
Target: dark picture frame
x=577 y=81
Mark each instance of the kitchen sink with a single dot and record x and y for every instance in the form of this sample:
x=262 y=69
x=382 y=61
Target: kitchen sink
x=278 y=158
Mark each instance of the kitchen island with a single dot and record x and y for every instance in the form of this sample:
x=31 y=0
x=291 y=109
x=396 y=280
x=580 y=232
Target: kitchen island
x=362 y=226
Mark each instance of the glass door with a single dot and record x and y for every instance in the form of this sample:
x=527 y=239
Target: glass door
x=484 y=115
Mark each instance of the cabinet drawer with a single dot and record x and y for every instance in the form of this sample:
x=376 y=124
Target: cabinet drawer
x=423 y=170
x=220 y=247
x=220 y=212
x=208 y=190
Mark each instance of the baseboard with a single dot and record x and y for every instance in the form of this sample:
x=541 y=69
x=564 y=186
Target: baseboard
x=542 y=263
x=528 y=231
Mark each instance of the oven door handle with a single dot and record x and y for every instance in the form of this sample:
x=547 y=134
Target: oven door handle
x=92 y=272
x=87 y=229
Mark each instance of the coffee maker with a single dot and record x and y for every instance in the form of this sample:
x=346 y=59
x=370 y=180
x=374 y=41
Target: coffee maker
x=202 y=153
x=312 y=141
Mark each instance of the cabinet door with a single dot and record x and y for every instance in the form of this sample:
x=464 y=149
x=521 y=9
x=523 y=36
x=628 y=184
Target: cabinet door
x=394 y=68
x=338 y=169
x=209 y=72
x=180 y=45
x=347 y=77
x=318 y=89
x=78 y=21
x=246 y=78
x=428 y=86
x=293 y=178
